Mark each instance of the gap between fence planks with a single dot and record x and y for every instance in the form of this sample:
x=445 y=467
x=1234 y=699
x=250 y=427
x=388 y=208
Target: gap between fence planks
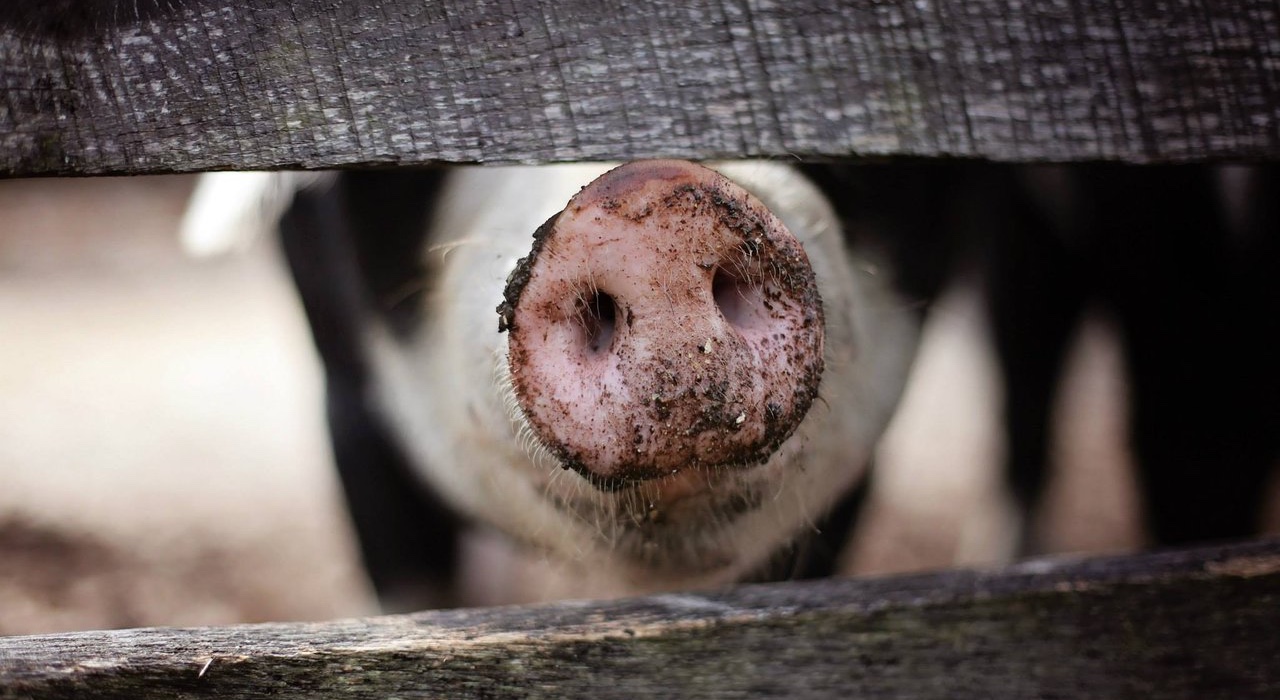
x=144 y=86
x=1181 y=624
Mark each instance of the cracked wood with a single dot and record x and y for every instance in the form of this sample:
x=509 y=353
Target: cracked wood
x=125 y=86
x=1180 y=624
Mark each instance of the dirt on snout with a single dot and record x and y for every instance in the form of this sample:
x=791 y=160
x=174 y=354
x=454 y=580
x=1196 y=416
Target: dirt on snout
x=712 y=317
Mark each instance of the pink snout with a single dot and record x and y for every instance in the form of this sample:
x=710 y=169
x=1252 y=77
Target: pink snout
x=665 y=320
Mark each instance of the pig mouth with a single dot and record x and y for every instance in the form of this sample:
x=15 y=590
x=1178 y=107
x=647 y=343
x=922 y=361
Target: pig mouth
x=676 y=524
x=649 y=504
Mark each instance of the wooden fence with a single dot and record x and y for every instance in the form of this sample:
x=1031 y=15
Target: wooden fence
x=122 y=87
x=134 y=86
x=1190 y=624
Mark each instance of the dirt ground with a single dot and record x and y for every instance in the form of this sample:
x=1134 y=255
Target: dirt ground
x=163 y=459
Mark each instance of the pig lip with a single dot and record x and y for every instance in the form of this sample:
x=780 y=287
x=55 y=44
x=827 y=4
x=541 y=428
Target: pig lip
x=678 y=477
x=661 y=522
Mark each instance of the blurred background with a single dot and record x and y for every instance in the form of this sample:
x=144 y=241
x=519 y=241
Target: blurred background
x=164 y=461
x=163 y=455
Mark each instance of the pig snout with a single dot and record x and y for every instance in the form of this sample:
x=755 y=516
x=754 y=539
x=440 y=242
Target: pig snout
x=664 y=321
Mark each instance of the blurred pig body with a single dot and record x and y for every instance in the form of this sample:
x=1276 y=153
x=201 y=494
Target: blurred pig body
x=1184 y=262
x=430 y=433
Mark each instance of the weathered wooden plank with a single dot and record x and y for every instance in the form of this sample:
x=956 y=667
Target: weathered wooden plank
x=130 y=86
x=1191 y=624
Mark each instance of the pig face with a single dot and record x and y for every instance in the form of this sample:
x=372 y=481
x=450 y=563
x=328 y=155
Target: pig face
x=694 y=367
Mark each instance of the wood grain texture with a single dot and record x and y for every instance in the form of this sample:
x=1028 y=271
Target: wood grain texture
x=134 y=86
x=1189 y=624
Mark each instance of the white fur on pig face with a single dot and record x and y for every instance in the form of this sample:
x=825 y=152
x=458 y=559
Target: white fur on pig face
x=448 y=391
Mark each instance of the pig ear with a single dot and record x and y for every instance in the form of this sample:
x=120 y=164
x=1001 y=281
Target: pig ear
x=228 y=211
x=219 y=216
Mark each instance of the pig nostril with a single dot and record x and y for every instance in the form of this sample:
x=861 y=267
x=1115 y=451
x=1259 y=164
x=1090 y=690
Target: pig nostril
x=664 y=322
x=599 y=320
x=736 y=297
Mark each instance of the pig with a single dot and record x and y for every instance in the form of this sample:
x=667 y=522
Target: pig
x=650 y=376
x=413 y=282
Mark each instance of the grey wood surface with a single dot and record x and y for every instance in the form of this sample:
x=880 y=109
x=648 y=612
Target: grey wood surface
x=134 y=86
x=1185 y=624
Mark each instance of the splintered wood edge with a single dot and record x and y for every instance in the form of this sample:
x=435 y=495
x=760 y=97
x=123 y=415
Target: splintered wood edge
x=156 y=86
x=1189 y=623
